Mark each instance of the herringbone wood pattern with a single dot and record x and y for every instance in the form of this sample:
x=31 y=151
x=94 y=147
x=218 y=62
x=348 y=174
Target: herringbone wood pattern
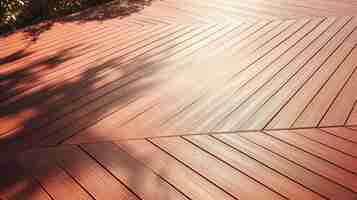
x=216 y=99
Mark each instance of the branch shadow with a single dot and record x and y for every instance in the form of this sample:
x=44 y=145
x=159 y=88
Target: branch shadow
x=24 y=116
x=14 y=56
x=24 y=120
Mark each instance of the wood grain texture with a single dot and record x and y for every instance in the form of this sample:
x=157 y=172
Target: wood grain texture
x=182 y=99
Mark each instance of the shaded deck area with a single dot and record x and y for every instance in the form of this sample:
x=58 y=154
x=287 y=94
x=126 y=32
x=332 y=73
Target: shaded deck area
x=183 y=99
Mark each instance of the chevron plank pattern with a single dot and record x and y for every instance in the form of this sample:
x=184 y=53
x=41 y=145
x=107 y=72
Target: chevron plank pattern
x=284 y=164
x=183 y=99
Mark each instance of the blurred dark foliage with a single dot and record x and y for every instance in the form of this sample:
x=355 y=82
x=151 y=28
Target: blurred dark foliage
x=19 y=13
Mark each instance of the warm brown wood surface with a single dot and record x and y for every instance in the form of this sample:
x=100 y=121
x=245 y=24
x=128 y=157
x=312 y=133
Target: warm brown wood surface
x=183 y=99
x=284 y=164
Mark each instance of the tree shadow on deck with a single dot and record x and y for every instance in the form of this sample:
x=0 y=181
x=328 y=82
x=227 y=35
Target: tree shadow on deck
x=28 y=102
x=33 y=110
x=14 y=56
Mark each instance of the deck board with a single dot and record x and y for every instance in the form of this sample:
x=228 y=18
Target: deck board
x=183 y=177
x=253 y=168
x=182 y=99
x=273 y=164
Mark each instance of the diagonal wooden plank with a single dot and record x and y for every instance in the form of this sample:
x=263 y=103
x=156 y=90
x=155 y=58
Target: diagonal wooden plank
x=228 y=178
x=304 y=158
x=287 y=167
x=87 y=172
x=348 y=134
x=140 y=179
x=186 y=180
x=302 y=141
x=261 y=173
x=16 y=184
x=56 y=181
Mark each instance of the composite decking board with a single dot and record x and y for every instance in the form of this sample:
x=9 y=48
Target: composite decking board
x=124 y=51
x=47 y=41
x=312 y=4
x=305 y=159
x=14 y=40
x=169 y=73
x=128 y=87
x=108 y=123
x=41 y=52
x=5 y=129
x=252 y=12
x=303 y=142
x=238 y=7
x=353 y=128
x=207 y=19
x=212 y=14
x=329 y=140
x=146 y=15
x=185 y=179
x=287 y=167
x=174 y=13
x=352 y=118
x=163 y=18
x=18 y=95
x=277 y=101
x=316 y=109
x=244 y=90
x=118 y=63
x=342 y=132
x=79 y=65
x=40 y=45
x=169 y=15
x=147 y=19
x=55 y=180
x=280 y=5
x=56 y=65
x=228 y=178
x=227 y=12
x=193 y=15
x=263 y=174
x=205 y=82
x=44 y=49
x=204 y=110
x=87 y=172
x=305 y=4
x=139 y=178
x=287 y=116
x=235 y=11
x=236 y=103
x=283 y=6
x=273 y=9
x=339 y=111
x=16 y=184
x=164 y=14
x=222 y=6
x=247 y=112
x=120 y=115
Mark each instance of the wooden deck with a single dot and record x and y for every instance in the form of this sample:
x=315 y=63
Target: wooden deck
x=183 y=99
